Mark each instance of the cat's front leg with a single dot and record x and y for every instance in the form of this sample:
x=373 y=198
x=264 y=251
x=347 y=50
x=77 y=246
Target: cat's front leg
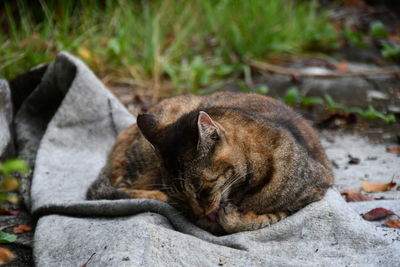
x=233 y=221
x=154 y=194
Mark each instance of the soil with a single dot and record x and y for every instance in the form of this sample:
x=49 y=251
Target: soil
x=381 y=91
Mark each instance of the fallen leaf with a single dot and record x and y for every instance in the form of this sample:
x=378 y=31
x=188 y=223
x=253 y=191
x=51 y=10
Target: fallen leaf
x=13 y=198
x=342 y=66
x=22 y=228
x=393 y=149
x=355 y=196
x=346 y=192
x=371 y=187
x=9 y=212
x=85 y=53
x=377 y=214
x=6 y=255
x=10 y=185
x=393 y=223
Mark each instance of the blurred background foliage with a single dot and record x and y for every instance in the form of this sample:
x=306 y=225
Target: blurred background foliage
x=190 y=44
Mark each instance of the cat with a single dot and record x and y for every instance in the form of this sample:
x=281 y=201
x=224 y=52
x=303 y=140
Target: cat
x=229 y=161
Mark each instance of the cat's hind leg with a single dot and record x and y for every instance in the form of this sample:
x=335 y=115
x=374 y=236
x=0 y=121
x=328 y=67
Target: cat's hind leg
x=234 y=221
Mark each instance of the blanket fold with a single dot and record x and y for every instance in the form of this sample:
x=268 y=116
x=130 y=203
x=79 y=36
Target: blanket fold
x=66 y=127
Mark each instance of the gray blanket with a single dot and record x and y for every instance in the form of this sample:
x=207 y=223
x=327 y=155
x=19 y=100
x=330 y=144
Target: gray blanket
x=66 y=127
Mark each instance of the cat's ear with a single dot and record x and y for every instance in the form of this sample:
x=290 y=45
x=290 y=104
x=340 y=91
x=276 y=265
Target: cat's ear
x=149 y=126
x=209 y=131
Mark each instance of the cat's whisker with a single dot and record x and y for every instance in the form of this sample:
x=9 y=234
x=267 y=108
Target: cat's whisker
x=231 y=181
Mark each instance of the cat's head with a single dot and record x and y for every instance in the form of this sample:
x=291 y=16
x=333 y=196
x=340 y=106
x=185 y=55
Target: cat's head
x=202 y=161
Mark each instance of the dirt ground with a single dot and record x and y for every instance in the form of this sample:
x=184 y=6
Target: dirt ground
x=344 y=137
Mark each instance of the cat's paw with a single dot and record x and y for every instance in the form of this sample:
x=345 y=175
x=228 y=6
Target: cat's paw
x=230 y=218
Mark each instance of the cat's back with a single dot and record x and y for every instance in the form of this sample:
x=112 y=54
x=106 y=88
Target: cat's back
x=272 y=112
x=267 y=109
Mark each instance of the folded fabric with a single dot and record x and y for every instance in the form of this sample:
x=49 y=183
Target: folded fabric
x=65 y=129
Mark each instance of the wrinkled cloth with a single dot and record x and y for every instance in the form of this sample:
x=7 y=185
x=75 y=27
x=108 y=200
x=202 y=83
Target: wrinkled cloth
x=66 y=127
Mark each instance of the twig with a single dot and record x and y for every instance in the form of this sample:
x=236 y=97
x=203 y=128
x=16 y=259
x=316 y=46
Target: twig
x=6 y=226
x=84 y=265
x=294 y=72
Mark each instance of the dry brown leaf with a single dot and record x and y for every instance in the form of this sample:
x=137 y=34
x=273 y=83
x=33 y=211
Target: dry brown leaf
x=10 y=185
x=393 y=149
x=355 y=196
x=377 y=214
x=6 y=255
x=371 y=187
x=9 y=212
x=22 y=228
x=347 y=192
x=393 y=223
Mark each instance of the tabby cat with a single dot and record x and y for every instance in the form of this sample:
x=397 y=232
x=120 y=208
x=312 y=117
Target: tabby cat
x=231 y=162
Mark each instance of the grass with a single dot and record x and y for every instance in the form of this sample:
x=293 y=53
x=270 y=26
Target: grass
x=293 y=97
x=191 y=44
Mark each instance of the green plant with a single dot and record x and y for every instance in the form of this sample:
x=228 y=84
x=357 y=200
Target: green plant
x=292 y=95
x=144 y=42
x=390 y=51
x=370 y=113
x=262 y=90
x=8 y=184
x=310 y=101
x=332 y=105
x=377 y=29
x=5 y=237
x=356 y=38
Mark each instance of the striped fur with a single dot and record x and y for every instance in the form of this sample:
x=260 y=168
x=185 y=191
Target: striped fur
x=231 y=162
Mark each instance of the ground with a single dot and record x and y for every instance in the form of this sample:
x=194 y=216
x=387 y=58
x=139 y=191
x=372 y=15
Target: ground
x=345 y=136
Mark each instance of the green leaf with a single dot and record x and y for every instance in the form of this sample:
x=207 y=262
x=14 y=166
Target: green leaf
x=6 y=238
x=311 y=101
x=390 y=118
x=390 y=51
x=355 y=37
x=377 y=29
x=291 y=96
x=332 y=105
x=244 y=87
x=14 y=165
x=114 y=46
x=262 y=90
x=223 y=70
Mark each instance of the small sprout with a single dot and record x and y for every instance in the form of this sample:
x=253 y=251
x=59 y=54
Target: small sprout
x=310 y=101
x=370 y=113
x=377 y=29
x=244 y=87
x=12 y=166
x=224 y=70
x=390 y=51
x=355 y=37
x=332 y=105
x=291 y=96
x=114 y=46
x=262 y=90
